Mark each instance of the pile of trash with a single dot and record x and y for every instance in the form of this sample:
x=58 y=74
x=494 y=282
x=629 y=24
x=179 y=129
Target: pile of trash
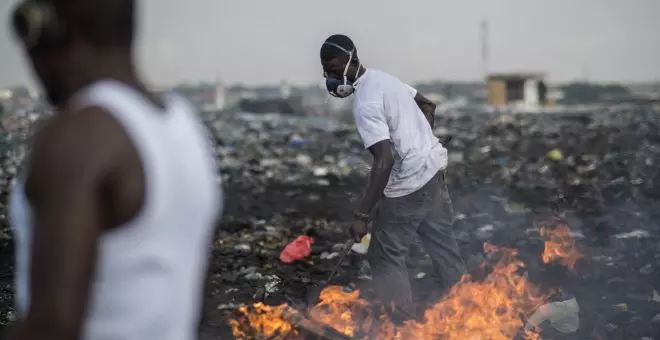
x=509 y=175
x=15 y=131
x=581 y=161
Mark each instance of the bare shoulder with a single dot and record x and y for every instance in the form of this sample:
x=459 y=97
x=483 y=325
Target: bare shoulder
x=76 y=145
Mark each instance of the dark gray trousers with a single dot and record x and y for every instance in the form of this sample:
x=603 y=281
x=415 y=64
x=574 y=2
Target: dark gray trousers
x=427 y=212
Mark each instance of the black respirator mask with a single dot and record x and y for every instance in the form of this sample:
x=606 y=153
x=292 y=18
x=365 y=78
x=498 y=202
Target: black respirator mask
x=341 y=88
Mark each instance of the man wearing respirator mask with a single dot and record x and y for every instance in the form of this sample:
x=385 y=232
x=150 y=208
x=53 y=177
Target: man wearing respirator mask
x=407 y=177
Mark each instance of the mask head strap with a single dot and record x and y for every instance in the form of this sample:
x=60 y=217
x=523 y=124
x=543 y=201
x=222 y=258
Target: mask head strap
x=350 y=56
x=338 y=47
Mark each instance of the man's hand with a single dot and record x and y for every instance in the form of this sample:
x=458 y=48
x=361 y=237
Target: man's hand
x=358 y=230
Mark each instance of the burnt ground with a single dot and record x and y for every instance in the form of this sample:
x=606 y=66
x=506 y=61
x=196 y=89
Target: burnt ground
x=616 y=270
x=502 y=184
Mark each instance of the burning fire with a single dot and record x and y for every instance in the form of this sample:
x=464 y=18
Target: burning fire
x=560 y=246
x=491 y=309
x=263 y=319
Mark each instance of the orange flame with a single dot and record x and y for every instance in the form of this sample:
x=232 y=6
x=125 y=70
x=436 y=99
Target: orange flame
x=260 y=319
x=492 y=309
x=560 y=246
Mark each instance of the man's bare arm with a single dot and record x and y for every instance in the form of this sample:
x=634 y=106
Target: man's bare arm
x=380 y=175
x=427 y=107
x=63 y=188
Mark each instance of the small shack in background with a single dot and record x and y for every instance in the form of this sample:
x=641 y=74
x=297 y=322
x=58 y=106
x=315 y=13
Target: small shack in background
x=527 y=89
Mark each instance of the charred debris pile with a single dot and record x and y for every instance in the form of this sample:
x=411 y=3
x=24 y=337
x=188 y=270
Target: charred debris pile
x=593 y=172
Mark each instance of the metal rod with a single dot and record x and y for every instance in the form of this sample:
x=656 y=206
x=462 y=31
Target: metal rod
x=347 y=249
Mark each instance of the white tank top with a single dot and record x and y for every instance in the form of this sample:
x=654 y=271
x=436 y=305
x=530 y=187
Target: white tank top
x=150 y=271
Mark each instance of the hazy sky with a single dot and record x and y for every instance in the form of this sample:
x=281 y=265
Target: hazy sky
x=266 y=41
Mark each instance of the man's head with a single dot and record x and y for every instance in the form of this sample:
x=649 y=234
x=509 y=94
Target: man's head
x=341 y=65
x=61 y=37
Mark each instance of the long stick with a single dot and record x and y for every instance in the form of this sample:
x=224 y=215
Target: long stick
x=347 y=249
x=323 y=332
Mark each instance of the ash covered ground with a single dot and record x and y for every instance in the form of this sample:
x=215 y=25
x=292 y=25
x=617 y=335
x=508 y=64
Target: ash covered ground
x=595 y=171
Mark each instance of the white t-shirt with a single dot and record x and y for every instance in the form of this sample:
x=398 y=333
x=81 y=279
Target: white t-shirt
x=384 y=108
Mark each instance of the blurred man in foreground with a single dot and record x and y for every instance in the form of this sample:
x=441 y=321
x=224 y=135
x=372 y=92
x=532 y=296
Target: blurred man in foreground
x=114 y=212
x=407 y=175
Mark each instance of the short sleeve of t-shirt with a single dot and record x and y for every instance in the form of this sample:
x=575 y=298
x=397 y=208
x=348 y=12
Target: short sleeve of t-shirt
x=412 y=90
x=371 y=124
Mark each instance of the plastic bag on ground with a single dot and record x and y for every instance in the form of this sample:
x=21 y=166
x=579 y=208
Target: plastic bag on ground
x=300 y=248
x=562 y=315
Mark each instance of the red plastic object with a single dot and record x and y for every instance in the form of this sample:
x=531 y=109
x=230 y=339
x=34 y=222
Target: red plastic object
x=300 y=248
